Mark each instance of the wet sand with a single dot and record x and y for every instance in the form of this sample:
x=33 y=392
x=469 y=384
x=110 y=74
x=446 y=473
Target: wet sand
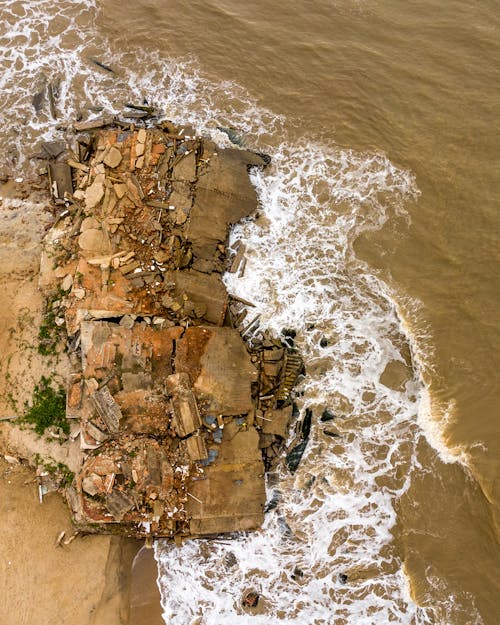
x=95 y=580
x=145 y=608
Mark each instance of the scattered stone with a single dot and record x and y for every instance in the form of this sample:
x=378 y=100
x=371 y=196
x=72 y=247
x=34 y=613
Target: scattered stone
x=113 y=158
x=118 y=504
x=93 y=124
x=120 y=190
x=53 y=149
x=11 y=459
x=67 y=282
x=60 y=180
x=94 y=241
x=89 y=223
x=92 y=484
x=94 y=194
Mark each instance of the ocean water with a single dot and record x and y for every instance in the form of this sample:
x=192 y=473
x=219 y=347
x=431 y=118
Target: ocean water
x=376 y=231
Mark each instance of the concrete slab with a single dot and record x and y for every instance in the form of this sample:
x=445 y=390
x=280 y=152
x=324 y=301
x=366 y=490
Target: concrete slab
x=220 y=368
x=233 y=494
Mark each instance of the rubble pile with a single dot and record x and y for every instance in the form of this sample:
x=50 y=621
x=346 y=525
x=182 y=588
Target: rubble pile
x=174 y=414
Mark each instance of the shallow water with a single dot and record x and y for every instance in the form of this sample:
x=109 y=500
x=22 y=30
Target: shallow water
x=378 y=231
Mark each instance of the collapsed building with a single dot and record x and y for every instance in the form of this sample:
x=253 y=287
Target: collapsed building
x=176 y=417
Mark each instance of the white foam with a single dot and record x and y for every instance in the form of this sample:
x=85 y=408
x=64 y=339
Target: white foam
x=301 y=272
x=434 y=417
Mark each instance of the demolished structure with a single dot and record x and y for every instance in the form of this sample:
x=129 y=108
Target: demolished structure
x=176 y=417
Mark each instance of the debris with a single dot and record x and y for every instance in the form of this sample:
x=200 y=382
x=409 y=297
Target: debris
x=113 y=157
x=106 y=68
x=292 y=369
x=140 y=107
x=178 y=419
x=60 y=180
x=53 y=149
x=294 y=457
x=92 y=124
x=69 y=540
x=118 y=504
x=59 y=538
x=11 y=459
x=186 y=416
x=108 y=409
x=251 y=599
x=196 y=448
x=52 y=100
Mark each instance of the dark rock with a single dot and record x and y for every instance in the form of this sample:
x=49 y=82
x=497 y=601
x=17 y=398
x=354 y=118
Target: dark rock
x=37 y=100
x=251 y=599
x=53 y=148
x=342 y=578
x=306 y=423
x=140 y=107
x=232 y=135
x=288 y=337
x=323 y=342
x=273 y=502
x=230 y=560
x=327 y=415
x=332 y=434
x=295 y=456
x=265 y=157
x=297 y=574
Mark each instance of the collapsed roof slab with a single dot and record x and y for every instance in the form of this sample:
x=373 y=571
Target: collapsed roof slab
x=203 y=289
x=224 y=196
x=220 y=369
x=232 y=496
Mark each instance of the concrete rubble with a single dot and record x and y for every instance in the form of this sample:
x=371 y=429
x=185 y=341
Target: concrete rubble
x=177 y=417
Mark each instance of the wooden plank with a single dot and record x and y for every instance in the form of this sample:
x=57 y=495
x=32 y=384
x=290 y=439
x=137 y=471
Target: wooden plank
x=186 y=415
x=108 y=409
x=196 y=448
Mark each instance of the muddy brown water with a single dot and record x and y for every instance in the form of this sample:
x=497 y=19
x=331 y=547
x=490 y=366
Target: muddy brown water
x=418 y=82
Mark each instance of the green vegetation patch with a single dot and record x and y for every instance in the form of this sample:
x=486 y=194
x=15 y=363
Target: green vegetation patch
x=48 y=407
x=59 y=470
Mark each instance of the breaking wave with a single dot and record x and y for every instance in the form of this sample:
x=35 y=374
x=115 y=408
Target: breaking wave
x=326 y=552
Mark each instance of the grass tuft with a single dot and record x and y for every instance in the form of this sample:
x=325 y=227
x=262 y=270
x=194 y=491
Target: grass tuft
x=48 y=407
